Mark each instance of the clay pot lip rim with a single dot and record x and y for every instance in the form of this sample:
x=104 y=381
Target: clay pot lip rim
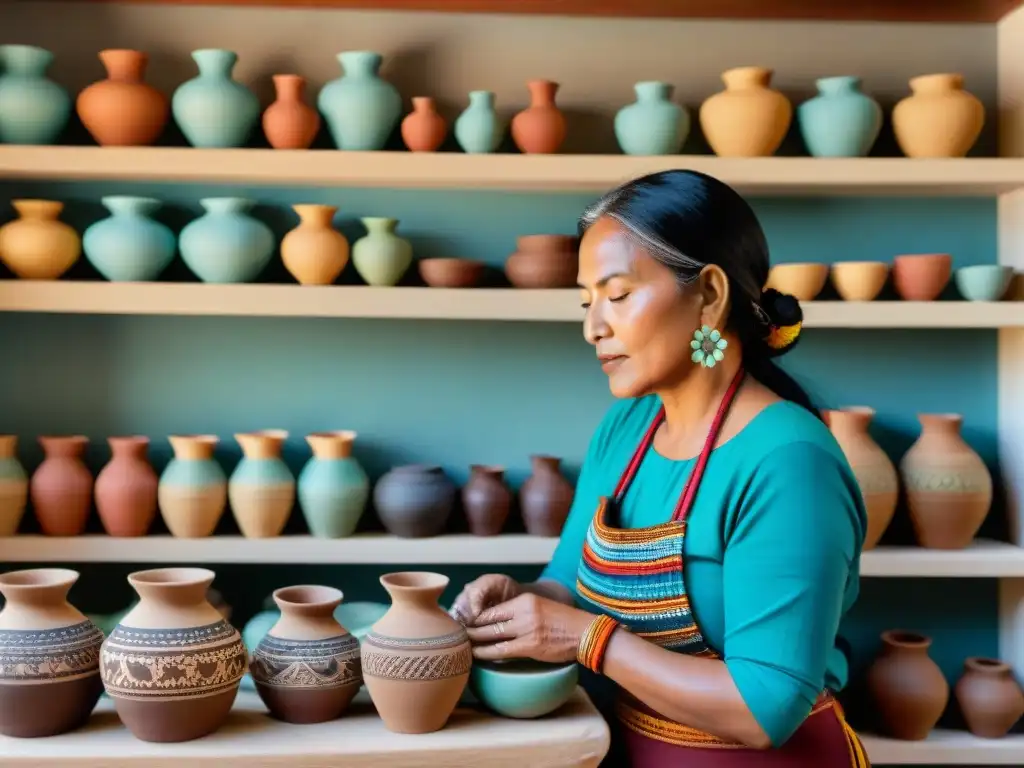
x=58 y=577
x=1001 y=268
x=840 y=265
x=801 y=265
x=196 y=438
x=290 y=76
x=133 y=51
x=936 y=77
x=173 y=576
x=340 y=434
x=545 y=457
x=856 y=410
x=905 y=638
x=498 y=669
x=921 y=257
x=128 y=440
x=492 y=468
x=414 y=581
x=37 y=201
x=79 y=439
x=986 y=664
x=439 y=260
x=314 y=207
x=319 y=595
x=946 y=417
x=277 y=434
x=431 y=468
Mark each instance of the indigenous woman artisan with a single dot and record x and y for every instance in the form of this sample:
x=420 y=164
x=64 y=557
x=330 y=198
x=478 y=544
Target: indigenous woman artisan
x=713 y=544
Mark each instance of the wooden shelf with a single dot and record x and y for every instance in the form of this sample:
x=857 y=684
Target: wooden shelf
x=946 y=748
x=455 y=170
x=983 y=559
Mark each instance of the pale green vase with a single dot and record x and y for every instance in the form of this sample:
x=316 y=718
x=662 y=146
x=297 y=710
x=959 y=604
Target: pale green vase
x=381 y=257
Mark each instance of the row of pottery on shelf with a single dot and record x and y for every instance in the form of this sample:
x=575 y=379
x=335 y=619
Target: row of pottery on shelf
x=910 y=693
x=947 y=485
x=332 y=490
x=916 y=277
x=173 y=664
x=228 y=245
x=747 y=119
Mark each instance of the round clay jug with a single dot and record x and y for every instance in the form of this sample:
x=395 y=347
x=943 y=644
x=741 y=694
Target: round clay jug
x=486 y=500
x=126 y=488
x=989 y=697
x=333 y=486
x=540 y=128
x=289 y=123
x=841 y=121
x=193 y=489
x=226 y=244
x=381 y=257
x=414 y=501
x=130 y=245
x=545 y=497
x=61 y=487
x=36 y=246
x=479 y=129
x=908 y=689
x=307 y=668
x=875 y=472
x=748 y=118
x=939 y=118
x=214 y=110
x=949 y=488
x=423 y=129
x=49 y=655
x=261 y=490
x=123 y=110
x=33 y=108
x=315 y=252
x=13 y=486
x=173 y=664
x=544 y=261
x=416 y=658
x=653 y=124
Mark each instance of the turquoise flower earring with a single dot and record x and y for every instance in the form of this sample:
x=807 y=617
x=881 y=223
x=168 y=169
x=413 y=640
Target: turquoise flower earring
x=708 y=347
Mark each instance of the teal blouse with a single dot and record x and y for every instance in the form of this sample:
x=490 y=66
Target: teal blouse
x=771 y=552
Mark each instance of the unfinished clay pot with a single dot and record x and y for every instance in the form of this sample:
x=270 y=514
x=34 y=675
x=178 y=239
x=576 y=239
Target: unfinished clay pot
x=545 y=497
x=315 y=252
x=123 y=110
x=61 y=487
x=544 y=261
x=126 y=488
x=907 y=688
x=989 y=697
x=939 y=118
x=262 y=487
x=540 y=128
x=290 y=123
x=486 y=500
x=13 y=486
x=423 y=129
x=748 y=118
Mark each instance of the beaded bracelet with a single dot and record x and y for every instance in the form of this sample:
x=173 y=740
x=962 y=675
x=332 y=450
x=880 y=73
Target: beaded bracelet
x=594 y=642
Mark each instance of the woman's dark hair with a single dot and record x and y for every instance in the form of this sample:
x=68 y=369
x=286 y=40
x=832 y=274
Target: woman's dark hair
x=686 y=220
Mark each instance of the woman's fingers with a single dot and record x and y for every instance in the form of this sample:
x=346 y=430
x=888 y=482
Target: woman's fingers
x=517 y=648
x=489 y=633
x=502 y=612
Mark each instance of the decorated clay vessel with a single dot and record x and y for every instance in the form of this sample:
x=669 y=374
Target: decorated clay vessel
x=126 y=488
x=13 y=486
x=414 y=500
x=262 y=488
x=989 y=697
x=545 y=497
x=61 y=487
x=123 y=110
x=907 y=688
x=486 y=500
x=290 y=123
x=540 y=128
x=193 y=490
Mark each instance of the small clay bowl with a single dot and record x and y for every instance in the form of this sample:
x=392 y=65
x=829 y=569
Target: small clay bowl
x=451 y=273
x=921 y=276
x=859 y=280
x=521 y=688
x=803 y=281
x=983 y=282
x=547 y=243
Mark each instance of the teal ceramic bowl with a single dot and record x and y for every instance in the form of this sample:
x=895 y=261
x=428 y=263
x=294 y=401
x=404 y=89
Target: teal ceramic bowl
x=983 y=282
x=523 y=689
x=358 y=617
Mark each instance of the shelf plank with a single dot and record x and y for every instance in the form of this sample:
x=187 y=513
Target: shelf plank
x=982 y=559
x=455 y=170
x=946 y=748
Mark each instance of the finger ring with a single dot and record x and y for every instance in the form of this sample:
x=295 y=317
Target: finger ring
x=499 y=628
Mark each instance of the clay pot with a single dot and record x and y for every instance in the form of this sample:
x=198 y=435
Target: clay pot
x=193 y=490
x=423 y=129
x=939 y=119
x=289 y=123
x=61 y=487
x=540 y=128
x=414 y=501
x=49 y=655
x=451 y=273
x=989 y=697
x=173 y=664
x=545 y=497
x=123 y=110
x=949 y=488
x=315 y=252
x=747 y=119
x=333 y=486
x=261 y=490
x=486 y=500
x=908 y=689
x=859 y=280
x=36 y=246
x=307 y=669
x=921 y=276
x=544 y=261
x=126 y=488
x=875 y=473
x=416 y=658
x=13 y=486
x=802 y=281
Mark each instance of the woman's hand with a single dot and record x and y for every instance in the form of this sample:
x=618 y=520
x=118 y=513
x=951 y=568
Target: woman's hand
x=528 y=627
x=483 y=593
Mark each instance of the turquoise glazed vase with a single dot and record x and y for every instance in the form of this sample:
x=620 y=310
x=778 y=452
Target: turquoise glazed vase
x=333 y=487
x=381 y=257
x=129 y=246
x=653 y=124
x=841 y=121
x=213 y=110
x=226 y=245
x=479 y=129
x=33 y=108
x=193 y=489
x=360 y=108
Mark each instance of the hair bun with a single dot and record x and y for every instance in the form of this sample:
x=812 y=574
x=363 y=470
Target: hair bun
x=783 y=321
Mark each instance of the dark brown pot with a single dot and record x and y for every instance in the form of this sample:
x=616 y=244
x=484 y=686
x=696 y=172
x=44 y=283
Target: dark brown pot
x=909 y=690
x=989 y=697
x=545 y=497
x=414 y=501
x=486 y=500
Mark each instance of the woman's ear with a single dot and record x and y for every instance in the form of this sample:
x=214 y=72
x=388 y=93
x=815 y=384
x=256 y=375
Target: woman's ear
x=713 y=286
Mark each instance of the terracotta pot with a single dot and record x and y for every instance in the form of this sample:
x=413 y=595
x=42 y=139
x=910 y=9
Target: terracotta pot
x=173 y=664
x=414 y=501
x=544 y=261
x=13 y=486
x=939 y=119
x=423 y=129
x=486 y=500
x=315 y=253
x=61 y=487
x=126 y=488
x=989 y=697
x=949 y=488
x=123 y=110
x=540 y=128
x=747 y=119
x=416 y=658
x=289 y=123
x=875 y=473
x=193 y=490
x=859 y=280
x=802 y=281
x=908 y=689
x=307 y=669
x=49 y=655
x=921 y=276
x=545 y=497
x=261 y=490
x=451 y=273
x=36 y=246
